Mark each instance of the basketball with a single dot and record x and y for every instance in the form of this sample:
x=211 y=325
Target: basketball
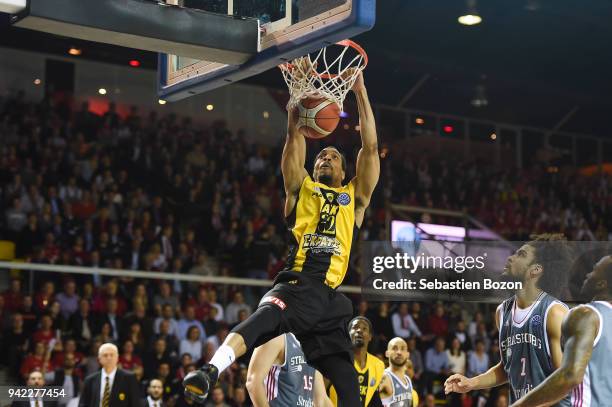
x=318 y=117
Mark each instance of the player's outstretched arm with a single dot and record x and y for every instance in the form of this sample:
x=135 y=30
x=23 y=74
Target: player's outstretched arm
x=261 y=362
x=554 y=321
x=321 y=399
x=580 y=327
x=293 y=160
x=368 y=162
x=495 y=376
x=457 y=383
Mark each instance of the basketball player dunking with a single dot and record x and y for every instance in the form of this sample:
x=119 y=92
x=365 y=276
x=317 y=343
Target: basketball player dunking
x=587 y=356
x=396 y=387
x=323 y=218
x=529 y=323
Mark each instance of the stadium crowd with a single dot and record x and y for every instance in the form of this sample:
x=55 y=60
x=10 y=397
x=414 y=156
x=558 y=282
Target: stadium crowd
x=161 y=194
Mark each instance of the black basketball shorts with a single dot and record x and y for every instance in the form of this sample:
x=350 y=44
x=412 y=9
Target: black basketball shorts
x=316 y=314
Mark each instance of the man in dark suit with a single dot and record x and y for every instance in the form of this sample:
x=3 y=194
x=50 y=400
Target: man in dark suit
x=35 y=379
x=82 y=324
x=155 y=392
x=110 y=387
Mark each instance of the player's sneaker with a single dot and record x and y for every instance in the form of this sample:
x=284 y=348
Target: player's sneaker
x=198 y=383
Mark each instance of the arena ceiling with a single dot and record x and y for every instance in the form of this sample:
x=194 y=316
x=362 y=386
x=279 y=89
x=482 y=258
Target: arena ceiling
x=537 y=59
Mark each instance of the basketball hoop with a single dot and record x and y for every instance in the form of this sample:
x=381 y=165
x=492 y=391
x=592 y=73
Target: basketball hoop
x=329 y=73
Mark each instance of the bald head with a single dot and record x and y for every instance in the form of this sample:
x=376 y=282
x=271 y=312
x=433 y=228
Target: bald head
x=397 y=353
x=108 y=356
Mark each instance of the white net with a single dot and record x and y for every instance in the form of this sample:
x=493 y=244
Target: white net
x=328 y=73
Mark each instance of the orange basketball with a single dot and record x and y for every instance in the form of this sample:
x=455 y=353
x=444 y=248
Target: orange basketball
x=318 y=117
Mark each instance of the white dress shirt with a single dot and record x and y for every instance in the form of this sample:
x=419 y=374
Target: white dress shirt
x=153 y=403
x=111 y=379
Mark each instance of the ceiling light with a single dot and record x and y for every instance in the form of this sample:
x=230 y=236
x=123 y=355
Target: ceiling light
x=480 y=95
x=472 y=16
x=161 y=102
x=210 y=107
x=75 y=51
x=102 y=91
x=419 y=121
x=37 y=81
x=493 y=136
x=470 y=19
x=266 y=114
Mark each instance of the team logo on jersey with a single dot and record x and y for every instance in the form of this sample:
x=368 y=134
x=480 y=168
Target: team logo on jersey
x=536 y=320
x=297 y=368
x=372 y=382
x=361 y=379
x=344 y=199
x=508 y=353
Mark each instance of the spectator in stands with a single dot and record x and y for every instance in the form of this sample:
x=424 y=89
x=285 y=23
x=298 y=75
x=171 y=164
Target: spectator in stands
x=185 y=362
x=217 y=339
x=192 y=344
x=35 y=360
x=461 y=334
x=43 y=298
x=13 y=296
x=128 y=360
x=478 y=362
x=46 y=332
x=35 y=379
x=154 y=394
x=166 y=297
x=167 y=314
x=158 y=355
x=456 y=357
x=189 y=320
x=403 y=324
x=436 y=363
x=68 y=299
x=383 y=327
x=15 y=343
x=416 y=358
x=212 y=295
x=482 y=335
x=111 y=318
x=139 y=316
x=437 y=323
x=172 y=342
x=82 y=326
x=164 y=374
x=16 y=218
x=67 y=377
x=232 y=309
x=473 y=325
x=217 y=398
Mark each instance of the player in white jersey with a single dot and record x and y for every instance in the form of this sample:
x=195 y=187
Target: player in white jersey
x=587 y=360
x=279 y=376
x=395 y=387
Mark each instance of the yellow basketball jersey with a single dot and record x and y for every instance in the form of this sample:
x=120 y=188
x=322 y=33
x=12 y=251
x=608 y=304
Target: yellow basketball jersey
x=321 y=231
x=369 y=379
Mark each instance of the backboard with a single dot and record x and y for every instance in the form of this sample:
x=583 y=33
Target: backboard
x=289 y=29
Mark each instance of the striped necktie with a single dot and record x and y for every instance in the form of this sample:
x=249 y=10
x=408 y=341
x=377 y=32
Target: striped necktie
x=106 y=396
